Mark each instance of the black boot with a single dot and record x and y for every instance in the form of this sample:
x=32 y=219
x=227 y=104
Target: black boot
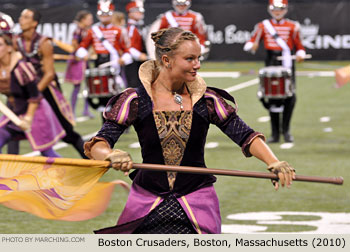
x=275 y=128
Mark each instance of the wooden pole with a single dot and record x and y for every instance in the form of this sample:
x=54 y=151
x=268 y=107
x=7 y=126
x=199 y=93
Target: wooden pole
x=184 y=169
x=225 y=172
x=10 y=115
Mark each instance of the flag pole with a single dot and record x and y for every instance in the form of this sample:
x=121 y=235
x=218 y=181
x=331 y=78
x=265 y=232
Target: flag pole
x=226 y=172
x=157 y=167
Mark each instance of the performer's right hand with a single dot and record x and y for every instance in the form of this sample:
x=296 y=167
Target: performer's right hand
x=284 y=171
x=120 y=160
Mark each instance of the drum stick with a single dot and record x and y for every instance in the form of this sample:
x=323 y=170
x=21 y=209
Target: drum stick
x=251 y=174
x=10 y=115
x=107 y=64
x=293 y=57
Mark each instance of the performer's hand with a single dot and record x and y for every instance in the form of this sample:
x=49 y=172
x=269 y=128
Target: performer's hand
x=285 y=173
x=121 y=62
x=26 y=123
x=299 y=58
x=143 y=57
x=255 y=47
x=120 y=160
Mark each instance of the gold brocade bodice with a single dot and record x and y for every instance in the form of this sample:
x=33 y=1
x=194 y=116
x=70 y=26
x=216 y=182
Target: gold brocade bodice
x=174 y=130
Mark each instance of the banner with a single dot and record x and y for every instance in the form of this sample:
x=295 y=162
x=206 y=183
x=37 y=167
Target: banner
x=55 y=188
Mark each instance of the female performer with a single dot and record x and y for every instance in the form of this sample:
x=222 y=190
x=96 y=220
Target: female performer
x=171 y=113
x=19 y=83
x=76 y=68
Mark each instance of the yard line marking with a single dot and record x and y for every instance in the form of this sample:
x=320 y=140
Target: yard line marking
x=325 y=119
x=263 y=119
x=242 y=85
x=316 y=73
x=82 y=119
x=135 y=145
x=211 y=145
x=328 y=130
x=286 y=146
x=59 y=145
x=219 y=74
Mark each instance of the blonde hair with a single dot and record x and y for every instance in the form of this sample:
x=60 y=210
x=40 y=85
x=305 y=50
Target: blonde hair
x=168 y=40
x=118 y=18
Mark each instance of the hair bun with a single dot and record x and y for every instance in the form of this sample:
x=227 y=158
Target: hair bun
x=156 y=36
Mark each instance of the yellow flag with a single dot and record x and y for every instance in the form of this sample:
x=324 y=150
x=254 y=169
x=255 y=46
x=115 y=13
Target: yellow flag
x=55 y=188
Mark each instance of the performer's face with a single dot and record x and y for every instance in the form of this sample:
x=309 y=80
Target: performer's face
x=87 y=20
x=136 y=15
x=26 y=20
x=181 y=8
x=185 y=61
x=105 y=19
x=278 y=14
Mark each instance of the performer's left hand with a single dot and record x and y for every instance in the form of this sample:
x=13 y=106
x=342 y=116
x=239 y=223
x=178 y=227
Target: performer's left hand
x=299 y=58
x=284 y=171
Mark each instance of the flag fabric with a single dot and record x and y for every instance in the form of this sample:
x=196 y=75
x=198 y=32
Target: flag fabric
x=55 y=188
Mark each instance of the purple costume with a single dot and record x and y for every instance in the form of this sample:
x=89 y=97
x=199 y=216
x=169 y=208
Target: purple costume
x=46 y=129
x=75 y=72
x=159 y=145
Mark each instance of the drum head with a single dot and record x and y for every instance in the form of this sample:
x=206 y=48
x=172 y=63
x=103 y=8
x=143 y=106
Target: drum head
x=275 y=71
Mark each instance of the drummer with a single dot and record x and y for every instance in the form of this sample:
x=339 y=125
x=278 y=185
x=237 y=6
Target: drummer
x=108 y=42
x=281 y=38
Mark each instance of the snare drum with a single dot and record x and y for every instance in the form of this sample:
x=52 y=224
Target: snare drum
x=101 y=82
x=275 y=82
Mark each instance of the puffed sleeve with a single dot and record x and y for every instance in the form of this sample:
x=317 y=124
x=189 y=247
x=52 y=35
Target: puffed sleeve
x=120 y=113
x=26 y=77
x=225 y=117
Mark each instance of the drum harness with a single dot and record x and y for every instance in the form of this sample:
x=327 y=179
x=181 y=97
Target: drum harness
x=287 y=60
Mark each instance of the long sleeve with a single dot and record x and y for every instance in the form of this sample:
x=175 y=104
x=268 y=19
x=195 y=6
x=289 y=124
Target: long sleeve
x=225 y=117
x=120 y=113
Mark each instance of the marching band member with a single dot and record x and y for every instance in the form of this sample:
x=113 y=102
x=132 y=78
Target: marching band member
x=137 y=49
x=171 y=112
x=186 y=19
x=38 y=50
x=281 y=37
x=109 y=44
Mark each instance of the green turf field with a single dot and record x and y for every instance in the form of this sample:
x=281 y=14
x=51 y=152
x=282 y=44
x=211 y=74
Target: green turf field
x=320 y=149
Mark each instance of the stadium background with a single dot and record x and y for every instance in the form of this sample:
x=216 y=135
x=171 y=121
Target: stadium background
x=325 y=23
x=320 y=122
